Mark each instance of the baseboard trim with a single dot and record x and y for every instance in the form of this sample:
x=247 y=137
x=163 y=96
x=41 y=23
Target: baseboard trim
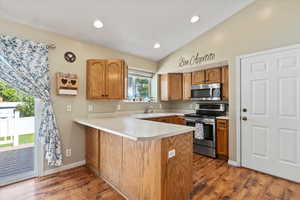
x=114 y=187
x=234 y=163
x=63 y=168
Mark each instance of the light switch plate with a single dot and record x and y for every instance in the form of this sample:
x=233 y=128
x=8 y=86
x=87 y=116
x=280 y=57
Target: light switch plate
x=171 y=153
x=119 y=107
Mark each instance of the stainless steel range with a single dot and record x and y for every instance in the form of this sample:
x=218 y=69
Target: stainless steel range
x=206 y=115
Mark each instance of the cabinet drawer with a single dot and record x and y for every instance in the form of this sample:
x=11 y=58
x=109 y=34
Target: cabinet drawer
x=222 y=123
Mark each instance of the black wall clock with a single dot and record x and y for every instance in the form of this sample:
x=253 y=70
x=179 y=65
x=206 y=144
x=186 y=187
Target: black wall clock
x=70 y=57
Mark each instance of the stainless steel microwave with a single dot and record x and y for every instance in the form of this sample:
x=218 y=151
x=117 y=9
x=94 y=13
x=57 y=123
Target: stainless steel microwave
x=206 y=91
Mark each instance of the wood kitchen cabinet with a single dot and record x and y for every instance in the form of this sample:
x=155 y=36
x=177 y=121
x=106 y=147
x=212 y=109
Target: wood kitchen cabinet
x=225 y=83
x=222 y=138
x=212 y=75
x=111 y=157
x=106 y=79
x=170 y=119
x=92 y=151
x=141 y=169
x=171 y=86
x=187 y=85
x=198 y=77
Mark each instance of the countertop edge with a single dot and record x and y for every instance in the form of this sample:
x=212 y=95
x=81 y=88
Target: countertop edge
x=171 y=134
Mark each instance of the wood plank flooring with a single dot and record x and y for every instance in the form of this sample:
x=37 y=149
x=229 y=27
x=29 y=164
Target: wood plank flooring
x=213 y=179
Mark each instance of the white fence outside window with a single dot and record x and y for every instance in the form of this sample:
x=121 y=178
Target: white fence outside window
x=13 y=127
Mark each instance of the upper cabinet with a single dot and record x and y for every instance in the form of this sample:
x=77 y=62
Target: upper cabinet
x=106 y=79
x=213 y=75
x=171 y=86
x=187 y=84
x=225 y=83
x=198 y=77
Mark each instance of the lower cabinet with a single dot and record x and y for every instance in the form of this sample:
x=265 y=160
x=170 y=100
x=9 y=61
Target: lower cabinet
x=142 y=170
x=222 y=138
x=171 y=119
x=92 y=151
x=111 y=157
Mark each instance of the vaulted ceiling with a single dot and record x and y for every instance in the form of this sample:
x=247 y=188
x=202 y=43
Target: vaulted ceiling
x=131 y=26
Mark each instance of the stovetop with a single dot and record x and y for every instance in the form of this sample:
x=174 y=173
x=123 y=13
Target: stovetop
x=196 y=115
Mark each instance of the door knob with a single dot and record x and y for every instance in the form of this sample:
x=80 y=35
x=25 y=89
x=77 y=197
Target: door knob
x=244 y=118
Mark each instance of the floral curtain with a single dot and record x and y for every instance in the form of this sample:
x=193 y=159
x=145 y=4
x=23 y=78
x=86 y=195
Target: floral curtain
x=24 y=66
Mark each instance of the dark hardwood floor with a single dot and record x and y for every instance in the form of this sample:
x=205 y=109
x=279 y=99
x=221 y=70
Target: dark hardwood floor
x=213 y=179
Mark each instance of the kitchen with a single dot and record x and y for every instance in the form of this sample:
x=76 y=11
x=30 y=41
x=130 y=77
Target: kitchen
x=164 y=118
x=110 y=139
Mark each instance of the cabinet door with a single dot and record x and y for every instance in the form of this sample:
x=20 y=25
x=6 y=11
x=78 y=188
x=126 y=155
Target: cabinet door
x=187 y=84
x=115 y=79
x=222 y=138
x=225 y=84
x=180 y=120
x=213 y=75
x=175 y=86
x=92 y=145
x=164 y=95
x=198 y=77
x=96 y=79
x=125 y=93
x=111 y=157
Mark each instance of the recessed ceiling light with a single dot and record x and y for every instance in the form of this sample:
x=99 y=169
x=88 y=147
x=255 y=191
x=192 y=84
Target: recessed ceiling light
x=194 y=19
x=98 y=24
x=156 y=46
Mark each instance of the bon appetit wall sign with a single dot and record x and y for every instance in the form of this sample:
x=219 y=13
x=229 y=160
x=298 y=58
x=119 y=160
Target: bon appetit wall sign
x=196 y=59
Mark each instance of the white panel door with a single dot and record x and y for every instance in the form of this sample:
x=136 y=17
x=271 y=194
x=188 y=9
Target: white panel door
x=270 y=124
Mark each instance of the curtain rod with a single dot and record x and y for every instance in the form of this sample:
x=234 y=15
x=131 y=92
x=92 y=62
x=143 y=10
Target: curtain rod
x=51 y=46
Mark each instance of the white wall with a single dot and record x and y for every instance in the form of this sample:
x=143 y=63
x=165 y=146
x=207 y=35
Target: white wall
x=265 y=24
x=72 y=134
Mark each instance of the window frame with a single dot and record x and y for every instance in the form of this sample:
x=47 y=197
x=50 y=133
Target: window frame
x=135 y=74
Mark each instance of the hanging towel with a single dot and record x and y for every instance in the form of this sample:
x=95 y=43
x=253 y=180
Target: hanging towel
x=199 y=132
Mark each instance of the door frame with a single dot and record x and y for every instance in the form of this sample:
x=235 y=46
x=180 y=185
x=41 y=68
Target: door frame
x=238 y=88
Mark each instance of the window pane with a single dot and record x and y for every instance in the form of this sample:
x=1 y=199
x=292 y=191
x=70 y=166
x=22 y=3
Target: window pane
x=142 y=87
x=139 y=87
x=131 y=88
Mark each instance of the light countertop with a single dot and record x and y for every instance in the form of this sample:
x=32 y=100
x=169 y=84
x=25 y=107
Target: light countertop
x=223 y=117
x=155 y=115
x=134 y=128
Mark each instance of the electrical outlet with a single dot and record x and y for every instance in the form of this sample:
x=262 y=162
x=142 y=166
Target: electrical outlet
x=160 y=106
x=90 y=108
x=119 y=107
x=68 y=152
x=171 y=153
x=69 y=108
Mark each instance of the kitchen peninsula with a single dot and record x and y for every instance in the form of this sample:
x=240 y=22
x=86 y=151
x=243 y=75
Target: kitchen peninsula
x=141 y=159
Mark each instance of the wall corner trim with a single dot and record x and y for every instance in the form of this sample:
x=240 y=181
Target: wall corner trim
x=64 y=167
x=234 y=163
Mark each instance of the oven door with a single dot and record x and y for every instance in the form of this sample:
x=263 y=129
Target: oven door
x=209 y=131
